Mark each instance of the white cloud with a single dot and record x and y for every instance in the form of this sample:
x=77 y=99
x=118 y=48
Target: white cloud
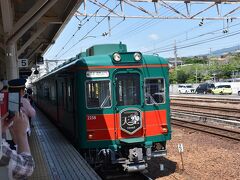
x=153 y=37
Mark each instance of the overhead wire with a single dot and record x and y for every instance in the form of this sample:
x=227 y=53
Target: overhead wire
x=79 y=29
x=177 y=34
x=195 y=37
x=200 y=42
x=138 y=29
x=185 y=32
x=48 y=50
x=146 y=25
x=181 y=34
x=117 y=24
x=89 y=31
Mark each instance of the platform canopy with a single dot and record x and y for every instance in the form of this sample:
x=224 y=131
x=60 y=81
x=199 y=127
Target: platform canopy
x=28 y=28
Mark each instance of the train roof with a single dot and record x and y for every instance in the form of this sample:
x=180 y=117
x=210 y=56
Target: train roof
x=106 y=60
x=102 y=55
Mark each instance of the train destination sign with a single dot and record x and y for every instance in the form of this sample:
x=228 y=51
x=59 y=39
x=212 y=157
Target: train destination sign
x=96 y=74
x=131 y=120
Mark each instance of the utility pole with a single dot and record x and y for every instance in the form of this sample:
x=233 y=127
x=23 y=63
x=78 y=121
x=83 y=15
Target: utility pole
x=175 y=59
x=233 y=75
x=214 y=77
x=196 y=76
x=175 y=54
x=109 y=26
x=210 y=53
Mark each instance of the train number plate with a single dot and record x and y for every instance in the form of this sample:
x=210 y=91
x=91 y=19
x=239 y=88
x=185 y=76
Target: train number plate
x=91 y=117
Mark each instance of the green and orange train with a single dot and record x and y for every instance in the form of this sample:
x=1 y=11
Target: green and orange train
x=113 y=104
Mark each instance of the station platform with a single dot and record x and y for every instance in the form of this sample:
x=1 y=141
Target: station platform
x=54 y=155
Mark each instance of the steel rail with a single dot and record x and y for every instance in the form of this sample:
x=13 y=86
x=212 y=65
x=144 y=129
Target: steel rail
x=210 y=129
x=200 y=115
x=207 y=107
x=206 y=99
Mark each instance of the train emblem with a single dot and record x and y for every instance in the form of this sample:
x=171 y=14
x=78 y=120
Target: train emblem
x=131 y=120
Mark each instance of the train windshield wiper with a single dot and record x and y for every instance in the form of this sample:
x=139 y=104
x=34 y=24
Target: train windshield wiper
x=105 y=101
x=152 y=99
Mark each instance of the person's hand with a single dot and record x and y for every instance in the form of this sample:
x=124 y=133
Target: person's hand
x=19 y=127
x=19 y=133
x=20 y=124
x=5 y=123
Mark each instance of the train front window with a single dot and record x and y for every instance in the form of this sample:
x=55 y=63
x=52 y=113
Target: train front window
x=128 y=89
x=154 y=91
x=98 y=94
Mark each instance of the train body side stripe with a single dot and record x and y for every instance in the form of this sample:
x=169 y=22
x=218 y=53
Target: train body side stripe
x=154 y=122
x=102 y=126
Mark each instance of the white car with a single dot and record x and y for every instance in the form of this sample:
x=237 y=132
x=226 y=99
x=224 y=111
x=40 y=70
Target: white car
x=186 y=89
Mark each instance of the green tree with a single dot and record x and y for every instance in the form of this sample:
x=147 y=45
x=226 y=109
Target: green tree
x=220 y=69
x=182 y=76
x=194 y=60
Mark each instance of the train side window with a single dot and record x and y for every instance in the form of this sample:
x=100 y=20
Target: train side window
x=64 y=97
x=70 y=96
x=53 y=93
x=98 y=94
x=46 y=92
x=154 y=91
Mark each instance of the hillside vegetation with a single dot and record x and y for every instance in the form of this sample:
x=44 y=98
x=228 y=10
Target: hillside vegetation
x=200 y=69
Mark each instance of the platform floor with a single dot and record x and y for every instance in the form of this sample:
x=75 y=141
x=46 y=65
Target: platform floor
x=54 y=156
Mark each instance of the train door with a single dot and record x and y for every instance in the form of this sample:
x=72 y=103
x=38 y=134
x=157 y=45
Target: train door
x=129 y=119
x=66 y=104
x=60 y=100
x=69 y=122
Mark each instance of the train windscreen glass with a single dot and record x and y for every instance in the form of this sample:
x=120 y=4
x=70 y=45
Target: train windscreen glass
x=154 y=91
x=128 y=89
x=98 y=94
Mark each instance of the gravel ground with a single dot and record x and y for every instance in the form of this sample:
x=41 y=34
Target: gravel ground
x=204 y=157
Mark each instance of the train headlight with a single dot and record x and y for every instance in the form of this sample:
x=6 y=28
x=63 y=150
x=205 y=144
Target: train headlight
x=116 y=57
x=137 y=56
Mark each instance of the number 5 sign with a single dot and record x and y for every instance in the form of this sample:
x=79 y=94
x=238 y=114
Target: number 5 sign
x=22 y=62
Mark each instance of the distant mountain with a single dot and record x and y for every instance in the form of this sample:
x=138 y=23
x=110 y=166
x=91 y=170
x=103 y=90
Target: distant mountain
x=213 y=53
x=225 y=50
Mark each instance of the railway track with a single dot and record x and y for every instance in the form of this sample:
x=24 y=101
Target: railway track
x=210 y=129
x=126 y=176
x=206 y=99
x=207 y=106
x=206 y=117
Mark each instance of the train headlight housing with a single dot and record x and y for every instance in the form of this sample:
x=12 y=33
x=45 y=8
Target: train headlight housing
x=90 y=135
x=164 y=129
x=116 y=57
x=137 y=56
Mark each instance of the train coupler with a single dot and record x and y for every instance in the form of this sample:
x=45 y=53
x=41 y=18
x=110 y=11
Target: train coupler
x=159 y=153
x=135 y=167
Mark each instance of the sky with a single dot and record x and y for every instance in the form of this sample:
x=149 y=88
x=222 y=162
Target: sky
x=148 y=35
